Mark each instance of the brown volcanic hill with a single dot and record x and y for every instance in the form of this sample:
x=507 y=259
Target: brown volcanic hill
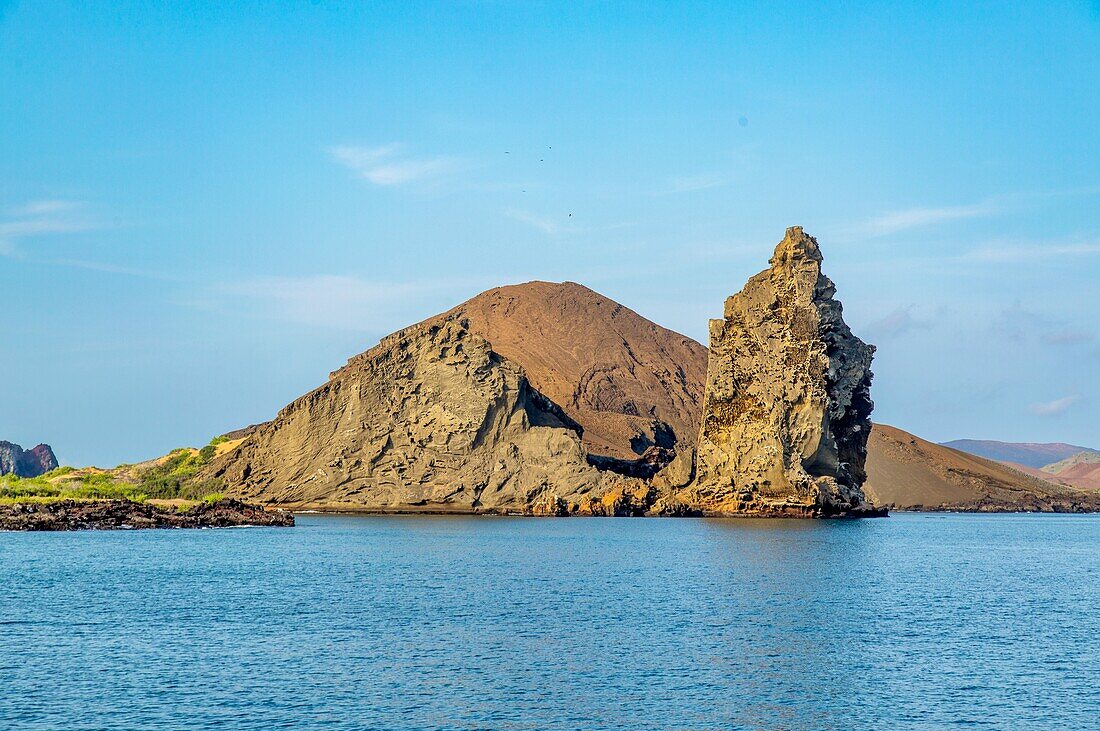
x=911 y=473
x=631 y=384
x=1084 y=476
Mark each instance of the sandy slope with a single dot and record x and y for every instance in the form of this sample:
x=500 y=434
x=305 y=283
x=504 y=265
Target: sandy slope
x=910 y=472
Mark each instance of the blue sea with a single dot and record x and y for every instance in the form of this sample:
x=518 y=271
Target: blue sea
x=911 y=622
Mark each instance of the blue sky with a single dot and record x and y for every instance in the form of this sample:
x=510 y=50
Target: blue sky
x=205 y=208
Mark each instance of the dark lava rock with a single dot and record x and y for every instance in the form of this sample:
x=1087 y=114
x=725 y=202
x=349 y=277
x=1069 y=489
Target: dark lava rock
x=125 y=514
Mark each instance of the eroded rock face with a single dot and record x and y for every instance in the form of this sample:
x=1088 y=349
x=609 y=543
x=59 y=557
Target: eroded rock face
x=430 y=419
x=786 y=413
x=14 y=460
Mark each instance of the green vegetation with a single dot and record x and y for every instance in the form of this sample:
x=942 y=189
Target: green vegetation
x=175 y=476
x=170 y=478
x=95 y=486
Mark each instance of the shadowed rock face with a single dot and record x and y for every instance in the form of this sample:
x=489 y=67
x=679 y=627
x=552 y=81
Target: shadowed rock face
x=430 y=418
x=786 y=413
x=14 y=460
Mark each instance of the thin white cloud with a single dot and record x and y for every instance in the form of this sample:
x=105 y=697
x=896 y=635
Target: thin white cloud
x=1067 y=337
x=1011 y=253
x=895 y=221
x=542 y=223
x=43 y=207
x=1056 y=407
x=692 y=183
x=336 y=301
x=895 y=324
x=47 y=217
x=389 y=165
x=560 y=225
x=95 y=266
x=39 y=218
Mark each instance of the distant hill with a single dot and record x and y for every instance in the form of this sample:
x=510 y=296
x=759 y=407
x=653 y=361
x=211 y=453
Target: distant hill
x=14 y=460
x=1081 y=470
x=909 y=472
x=1025 y=453
x=1089 y=459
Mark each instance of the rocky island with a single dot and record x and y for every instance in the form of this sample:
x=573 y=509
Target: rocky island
x=439 y=418
x=551 y=399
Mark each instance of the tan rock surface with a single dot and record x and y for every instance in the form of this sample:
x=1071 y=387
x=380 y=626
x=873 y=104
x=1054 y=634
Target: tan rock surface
x=431 y=418
x=786 y=414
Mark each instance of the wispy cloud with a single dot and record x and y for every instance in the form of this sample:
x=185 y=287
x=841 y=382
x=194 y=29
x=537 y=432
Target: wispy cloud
x=390 y=165
x=910 y=218
x=925 y=216
x=39 y=218
x=692 y=183
x=895 y=324
x=543 y=223
x=331 y=301
x=1067 y=337
x=48 y=217
x=96 y=266
x=1056 y=407
x=43 y=207
x=1006 y=252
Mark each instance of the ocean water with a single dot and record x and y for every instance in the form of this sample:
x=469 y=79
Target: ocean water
x=913 y=622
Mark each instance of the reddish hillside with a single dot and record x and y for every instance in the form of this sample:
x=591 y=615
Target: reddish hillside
x=616 y=373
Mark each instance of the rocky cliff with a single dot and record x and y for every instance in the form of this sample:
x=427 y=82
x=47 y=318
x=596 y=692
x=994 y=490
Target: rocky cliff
x=14 y=460
x=786 y=414
x=432 y=418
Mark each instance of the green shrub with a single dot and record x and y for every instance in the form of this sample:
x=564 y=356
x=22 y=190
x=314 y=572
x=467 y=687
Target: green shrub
x=12 y=486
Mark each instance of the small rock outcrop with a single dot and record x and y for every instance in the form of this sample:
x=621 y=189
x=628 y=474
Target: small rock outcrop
x=14 y=460
x=431 y=419
x=65 y=515
x=786 y=411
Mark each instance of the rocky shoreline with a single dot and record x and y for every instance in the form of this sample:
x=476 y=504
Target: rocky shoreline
x=67 y=515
